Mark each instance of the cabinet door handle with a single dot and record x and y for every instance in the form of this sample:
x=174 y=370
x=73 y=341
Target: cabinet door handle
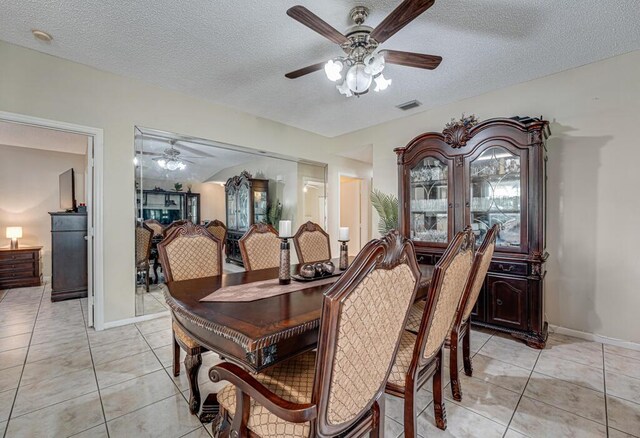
x=508 y=269
x=499 y=302
x=450 y=205
x=467 y=204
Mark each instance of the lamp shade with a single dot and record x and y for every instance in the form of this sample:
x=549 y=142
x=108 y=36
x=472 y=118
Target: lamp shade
x=14 y=232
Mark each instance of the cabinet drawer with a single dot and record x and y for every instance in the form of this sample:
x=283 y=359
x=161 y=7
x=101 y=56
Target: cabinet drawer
x=509 y=268
x=506 y=301
x=17 y=266
x=17 y=275
x=17 y=256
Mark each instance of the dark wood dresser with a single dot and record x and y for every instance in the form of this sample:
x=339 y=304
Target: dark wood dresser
x=68 y=256
x=20 y=267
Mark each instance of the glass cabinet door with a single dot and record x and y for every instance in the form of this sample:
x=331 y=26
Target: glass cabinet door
x=231 y=210
x=429 y=197
x=193 y=208
x=495 y=195
x=260 y=206
x=243 y=210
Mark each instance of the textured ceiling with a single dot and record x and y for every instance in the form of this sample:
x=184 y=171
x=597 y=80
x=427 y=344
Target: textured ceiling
x=235 y=53
x=17 y=134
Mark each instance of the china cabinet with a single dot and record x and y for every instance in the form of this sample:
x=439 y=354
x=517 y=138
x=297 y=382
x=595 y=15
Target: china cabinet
x=168 y=206
x=479 y=174
x=247 y=201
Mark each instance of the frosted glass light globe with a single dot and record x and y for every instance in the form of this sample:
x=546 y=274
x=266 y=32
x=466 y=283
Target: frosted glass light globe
x=332 y=69
x=358 y=80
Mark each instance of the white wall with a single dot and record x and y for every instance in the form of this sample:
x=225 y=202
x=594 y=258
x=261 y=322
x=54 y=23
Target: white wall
x=29 y=190
x=44 y=86
x=593 y=215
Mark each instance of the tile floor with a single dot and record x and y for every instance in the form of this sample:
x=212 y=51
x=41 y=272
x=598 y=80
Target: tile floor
x=58 y=379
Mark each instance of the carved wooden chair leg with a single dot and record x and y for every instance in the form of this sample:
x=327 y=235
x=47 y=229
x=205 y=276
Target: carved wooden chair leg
x=438 y=403
x=192 y=364
x=176 y=355
x=456 y=391
x=147 y=278
x=241 y=418
x=410 y=408
x=466 y=352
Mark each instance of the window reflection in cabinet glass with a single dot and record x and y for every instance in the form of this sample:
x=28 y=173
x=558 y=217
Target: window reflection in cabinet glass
x=429 y=201
x=243 y=208
x=495 y=195
x=260 y=207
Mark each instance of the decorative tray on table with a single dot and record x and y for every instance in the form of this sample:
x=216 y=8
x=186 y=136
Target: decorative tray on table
x=316 y=271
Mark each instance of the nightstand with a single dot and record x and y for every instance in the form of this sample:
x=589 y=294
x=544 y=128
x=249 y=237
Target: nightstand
x=20 y=267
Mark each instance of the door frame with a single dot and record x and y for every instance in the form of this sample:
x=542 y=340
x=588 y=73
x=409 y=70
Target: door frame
x=364 y=210
x=94 y=171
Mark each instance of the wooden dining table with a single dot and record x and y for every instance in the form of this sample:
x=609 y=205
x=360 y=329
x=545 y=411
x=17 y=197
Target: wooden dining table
x=256 y=334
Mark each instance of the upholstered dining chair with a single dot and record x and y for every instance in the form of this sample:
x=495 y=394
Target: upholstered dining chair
x=218 y=229
x=156 y=226
x=260 y=247
x=188 y=252
x=338 y=389
x=169 y=228
x=144 y=236
x=312 y=243
x=420 y=356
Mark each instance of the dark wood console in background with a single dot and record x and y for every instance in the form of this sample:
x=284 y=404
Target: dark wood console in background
x=20 y=267
x=68 y=256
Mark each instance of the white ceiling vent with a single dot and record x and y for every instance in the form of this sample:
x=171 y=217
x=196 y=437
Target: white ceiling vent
x=409 y=105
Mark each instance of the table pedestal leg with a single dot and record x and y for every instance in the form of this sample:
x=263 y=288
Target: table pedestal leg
x=210 y=410
x=192 y=365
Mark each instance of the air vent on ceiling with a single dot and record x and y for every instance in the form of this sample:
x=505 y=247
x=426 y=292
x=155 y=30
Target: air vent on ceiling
x=409 y=105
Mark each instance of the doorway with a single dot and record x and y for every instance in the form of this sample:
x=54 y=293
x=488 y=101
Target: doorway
x=352 y=204
x=88 y=183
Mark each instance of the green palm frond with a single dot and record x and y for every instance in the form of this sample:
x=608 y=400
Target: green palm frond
x=387 y=207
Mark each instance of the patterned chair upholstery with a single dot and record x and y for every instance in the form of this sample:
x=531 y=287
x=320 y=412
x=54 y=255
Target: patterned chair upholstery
x=312 y=243
x=144 y=236
x=218 y=229
x=420 y=354
x=187 y=252
x=337 y=389
x=260 y=247
x=156 y=226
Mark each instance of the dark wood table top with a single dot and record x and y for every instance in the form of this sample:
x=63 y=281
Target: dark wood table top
x=259 y=333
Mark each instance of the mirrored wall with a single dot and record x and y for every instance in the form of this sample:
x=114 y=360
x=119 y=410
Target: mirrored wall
x=184 y=178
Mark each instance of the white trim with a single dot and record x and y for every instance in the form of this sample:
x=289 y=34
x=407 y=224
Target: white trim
x=593 y=337
x=97 y=207
x=121 y=322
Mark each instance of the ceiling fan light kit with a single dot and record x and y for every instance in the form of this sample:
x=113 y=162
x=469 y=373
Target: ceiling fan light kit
x=363 y=64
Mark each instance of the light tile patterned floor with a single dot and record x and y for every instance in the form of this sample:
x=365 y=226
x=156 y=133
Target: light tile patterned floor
x=58 y=378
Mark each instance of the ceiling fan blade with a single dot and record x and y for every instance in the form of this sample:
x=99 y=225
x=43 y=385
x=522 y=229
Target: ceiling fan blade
x=411 y=59
x=151 y=153
x=194 y=151
x=305 y=70
x=313 y=22
x=405 y=13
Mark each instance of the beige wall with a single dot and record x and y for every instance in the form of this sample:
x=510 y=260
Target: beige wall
x=29 y=191
x=594 y=265
x=44 y=86
x=212 y=201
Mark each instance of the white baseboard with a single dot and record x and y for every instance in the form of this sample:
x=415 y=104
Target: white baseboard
x=594 y=337
x=121 y=322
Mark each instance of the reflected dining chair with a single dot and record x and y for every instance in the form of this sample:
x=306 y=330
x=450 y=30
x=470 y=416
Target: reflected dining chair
x=144 y=236
x=188 y=252
x=156 y=226
x=260 y=247
x=420 y=355
x=218 y=229
x=338 y=389
x=158 y=233
x=169 y=228
x=312 y=243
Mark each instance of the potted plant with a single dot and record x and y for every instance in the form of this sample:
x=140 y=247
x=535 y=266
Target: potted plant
x=387 y=208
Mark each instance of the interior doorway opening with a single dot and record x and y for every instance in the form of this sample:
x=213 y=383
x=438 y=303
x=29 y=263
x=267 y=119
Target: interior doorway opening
x=354 y=199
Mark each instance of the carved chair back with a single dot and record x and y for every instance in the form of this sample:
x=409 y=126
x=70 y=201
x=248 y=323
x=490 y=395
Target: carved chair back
x=157 y=227
x=312 y=243
x=479 y=269
x=190 y=251
x=169 y=228
x=447 y=286
x=144 y=236
x=260 y=247
x=363 y=318
x=218 y=229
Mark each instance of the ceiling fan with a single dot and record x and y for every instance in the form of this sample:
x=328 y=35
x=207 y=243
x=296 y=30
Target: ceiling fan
x=172 y=158
x=363 y=64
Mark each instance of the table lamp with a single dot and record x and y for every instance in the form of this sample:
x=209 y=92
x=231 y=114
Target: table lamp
x=14 y=233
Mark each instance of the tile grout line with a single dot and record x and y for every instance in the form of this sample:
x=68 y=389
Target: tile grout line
x=25 y=360
x=604 y=379
x=95 y=374
x=521 y=395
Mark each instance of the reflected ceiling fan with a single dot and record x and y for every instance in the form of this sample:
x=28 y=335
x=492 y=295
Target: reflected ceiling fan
x=363 y=64
x=172 y=158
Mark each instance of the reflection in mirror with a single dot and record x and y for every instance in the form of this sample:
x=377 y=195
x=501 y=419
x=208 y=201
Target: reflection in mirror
x=226 y=187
